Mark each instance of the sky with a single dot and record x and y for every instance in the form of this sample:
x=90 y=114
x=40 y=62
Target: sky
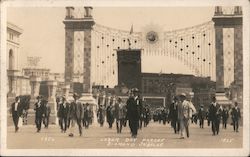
x=44 y=34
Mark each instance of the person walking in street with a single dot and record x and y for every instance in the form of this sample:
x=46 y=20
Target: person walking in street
x=201 y=116
x=225 y=115
x=87 y=115
x=76 y=114
x=39 y=113
x=147 y=116
x=63 y=114
x=16 y=111
x=235 y=113
x=133 y=111
x=47 y=111
x=120 y=114
x=173 y=115
x=207 y=117
x=110 y=115
x=185 y=111
x=214 y=115
x=101 y=114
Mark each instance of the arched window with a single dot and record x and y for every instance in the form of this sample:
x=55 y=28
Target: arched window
x=11 y=59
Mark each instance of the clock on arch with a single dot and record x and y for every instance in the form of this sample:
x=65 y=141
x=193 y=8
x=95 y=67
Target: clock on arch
x=152 y=37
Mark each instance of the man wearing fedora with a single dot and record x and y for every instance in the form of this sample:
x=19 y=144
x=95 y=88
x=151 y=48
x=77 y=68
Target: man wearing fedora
x=235 y=113
x=63 y=114
x=76 y=114
x=173 y=115
x=47 y=111
x=39 y=112
x=133 y=111
x=201 y=116
x=185 y=111
x=16 y=112
x=214 y=116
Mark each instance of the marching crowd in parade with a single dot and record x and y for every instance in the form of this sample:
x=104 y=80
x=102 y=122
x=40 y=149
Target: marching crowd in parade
x=179 y=114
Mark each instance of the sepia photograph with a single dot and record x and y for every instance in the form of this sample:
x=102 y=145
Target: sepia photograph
x=87 y=79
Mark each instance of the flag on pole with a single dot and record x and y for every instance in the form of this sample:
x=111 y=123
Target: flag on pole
x=131 y=29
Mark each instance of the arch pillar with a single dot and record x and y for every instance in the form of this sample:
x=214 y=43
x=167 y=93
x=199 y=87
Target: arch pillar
x=222 y=21
x=84 y=24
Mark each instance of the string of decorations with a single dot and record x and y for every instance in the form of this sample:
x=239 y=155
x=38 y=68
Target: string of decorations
x=193 y=46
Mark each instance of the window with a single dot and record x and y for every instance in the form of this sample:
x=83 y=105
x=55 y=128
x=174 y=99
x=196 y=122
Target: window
x=11 y=59
x=11 y=36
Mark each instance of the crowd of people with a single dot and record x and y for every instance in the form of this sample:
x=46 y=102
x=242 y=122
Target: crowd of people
x=182 y=110
x=179 y=114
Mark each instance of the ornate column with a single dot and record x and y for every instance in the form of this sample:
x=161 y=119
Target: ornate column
x=79 y=24
x=35 y=86
x=223 y=21
x=12 y=81
x=69 y=47
x=66 y=89
x=219 y=59
x=52 y=86
x=87 y=25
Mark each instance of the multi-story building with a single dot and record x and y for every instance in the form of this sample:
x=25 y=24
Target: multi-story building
x=163 y=87
x=17 y=84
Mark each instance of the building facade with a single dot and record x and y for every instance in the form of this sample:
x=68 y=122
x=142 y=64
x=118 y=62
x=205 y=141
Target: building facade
x=17 y=84
x=166 y=86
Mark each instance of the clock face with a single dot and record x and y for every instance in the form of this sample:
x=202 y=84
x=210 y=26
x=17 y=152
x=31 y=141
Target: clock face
x=152 y=37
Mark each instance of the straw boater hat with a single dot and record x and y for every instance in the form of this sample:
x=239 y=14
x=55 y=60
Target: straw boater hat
x=183 y=95
x=135 y=90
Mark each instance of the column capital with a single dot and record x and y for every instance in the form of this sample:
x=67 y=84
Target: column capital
x=66 y=86
x=35 y=79
x=52 y=83
x=227 y=21
x=79 y=24
x=12 y=72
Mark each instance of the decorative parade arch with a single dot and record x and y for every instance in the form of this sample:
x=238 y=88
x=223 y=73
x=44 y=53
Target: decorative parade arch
x=212 y=49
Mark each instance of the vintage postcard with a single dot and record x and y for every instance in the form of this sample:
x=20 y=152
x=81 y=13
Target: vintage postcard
x=124 y=78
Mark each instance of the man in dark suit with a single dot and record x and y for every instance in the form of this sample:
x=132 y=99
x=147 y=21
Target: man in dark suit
x=86 y=115
x=225 y=116
x=173 y=115
x=214 y=116
x=16 y=111
x=76 y=114
x=39 y=113
x=133 y=111
x=110 y=115
x=47 y=111
x=235 y=113
x=63 y=114
x=201 y=116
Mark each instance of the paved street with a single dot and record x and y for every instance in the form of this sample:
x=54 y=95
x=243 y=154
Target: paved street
x=154 y=136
